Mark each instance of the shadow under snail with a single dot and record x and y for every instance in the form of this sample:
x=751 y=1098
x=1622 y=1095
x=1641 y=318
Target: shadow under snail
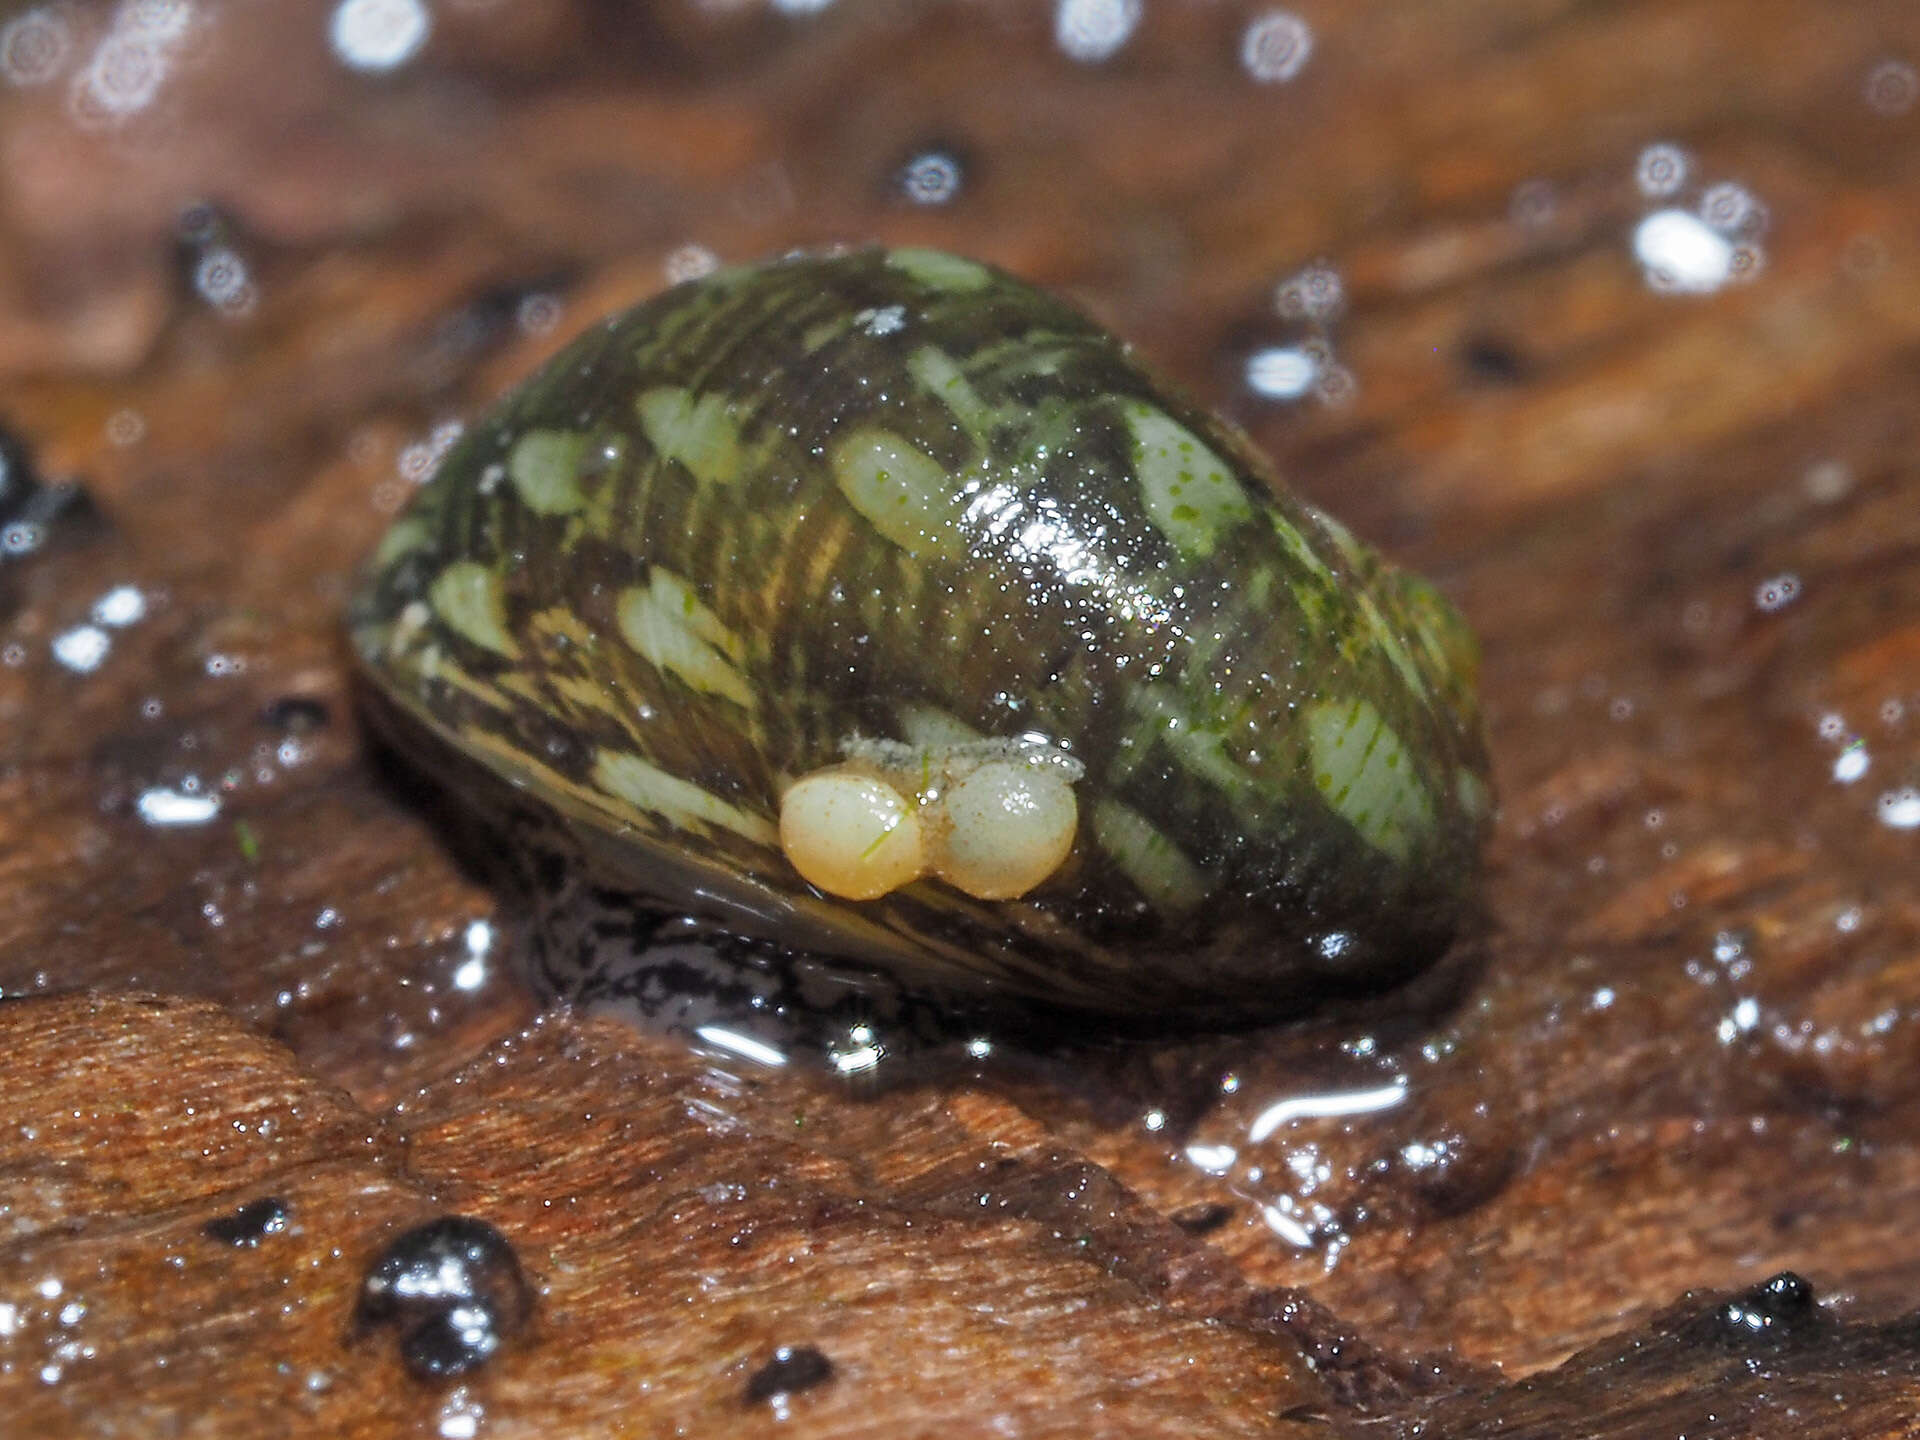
x=886 y=617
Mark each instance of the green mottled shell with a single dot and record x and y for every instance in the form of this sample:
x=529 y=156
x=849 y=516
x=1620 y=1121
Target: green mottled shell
x=900 y=495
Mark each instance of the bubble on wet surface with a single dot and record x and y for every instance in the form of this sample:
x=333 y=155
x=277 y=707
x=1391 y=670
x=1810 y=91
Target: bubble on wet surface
x=1661 y=170
x=461 y=1415
x=1336 y=386
x=1315 y=293
x=1891 y=87
x=34 y=46
x=82 y=649
x=538 y=313
x=453 y=1290
x=1827 y=481
x=932 y=176
x=1283 y=372
x=167 y=807
x=378 y=35
x=1899 y=809
x=121 y=606
x=222 y=279
x=475 y=969
x=20 y=537
x=1776 y=592
x=131 y=62
x=861 y=1051
x=1731 y=209
x=1300 y=362
x=124 y=77
x=1852 y=763
x=1324 y=1105
x=1701 y=250
x=1739 y=1021
x=417 y=461
x=1682 y=253
x=1275 y=47
x=1212 y=1159
x=161 y=20
x=1093 y=31
x=125 y=428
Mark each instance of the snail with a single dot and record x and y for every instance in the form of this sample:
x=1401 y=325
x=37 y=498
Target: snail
x=885 y=617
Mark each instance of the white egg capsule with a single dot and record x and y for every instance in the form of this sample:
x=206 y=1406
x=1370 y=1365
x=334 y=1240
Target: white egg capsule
x=1008 y=827
x=990 y=822
x=851 y=835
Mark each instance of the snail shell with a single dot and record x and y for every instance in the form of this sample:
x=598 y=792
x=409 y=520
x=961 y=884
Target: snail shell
x=890 y=525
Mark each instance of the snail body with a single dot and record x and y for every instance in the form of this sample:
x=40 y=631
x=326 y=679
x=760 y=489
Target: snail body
x=883 y=608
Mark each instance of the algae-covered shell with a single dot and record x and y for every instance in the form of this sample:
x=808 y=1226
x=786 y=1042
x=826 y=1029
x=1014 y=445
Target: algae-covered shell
x=894 y=516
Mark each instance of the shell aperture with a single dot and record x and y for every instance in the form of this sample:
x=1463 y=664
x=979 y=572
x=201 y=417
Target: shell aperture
x=891 y=540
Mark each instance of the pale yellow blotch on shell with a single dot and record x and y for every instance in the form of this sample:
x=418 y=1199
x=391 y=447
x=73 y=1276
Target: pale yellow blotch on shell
x=850 y=835
x=544 y=466
x=470 y=601
x=1009 y=826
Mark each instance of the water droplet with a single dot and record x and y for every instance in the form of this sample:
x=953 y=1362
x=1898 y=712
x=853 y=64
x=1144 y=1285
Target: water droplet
x=1661 y=170
x=1681 y=252
x=123 y=605
x=1891 y=87
x=34 y=46
x=1276 y=47
x=1730 y=208
x=378 y=35
x=82 y=648
x=1282 y=372
x=1900 y=809
x=1776 y=593
x=931 y=177
x=1093 y=31
x=166 y=808
x=1315 y=293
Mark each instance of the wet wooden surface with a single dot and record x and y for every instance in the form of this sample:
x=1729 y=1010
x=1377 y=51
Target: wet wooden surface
x=1683 y=1057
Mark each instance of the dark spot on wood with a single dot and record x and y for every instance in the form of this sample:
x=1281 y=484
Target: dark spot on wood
x=250 y=1224
x=1779 y=1309
x=453 y=1289
x=792 y=1368
x=296 y=714
x=201 y=228
x=1492 y=361
x=33 y=510
x=1203 y=1218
